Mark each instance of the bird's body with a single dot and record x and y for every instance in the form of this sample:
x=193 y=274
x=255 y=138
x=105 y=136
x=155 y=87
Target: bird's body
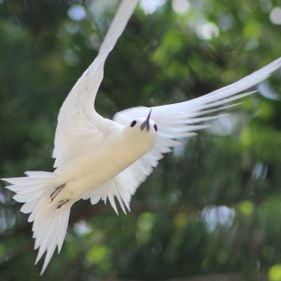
x=101 y=159
x=121 y=147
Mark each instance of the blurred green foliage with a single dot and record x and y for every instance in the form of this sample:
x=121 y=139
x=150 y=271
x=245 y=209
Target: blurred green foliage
x=212 y=209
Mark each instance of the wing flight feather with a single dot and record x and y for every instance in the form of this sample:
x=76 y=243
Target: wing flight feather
x=78 y=122
x=175 y=121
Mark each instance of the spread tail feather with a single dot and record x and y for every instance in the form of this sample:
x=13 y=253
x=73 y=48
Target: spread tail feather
x=49 y=222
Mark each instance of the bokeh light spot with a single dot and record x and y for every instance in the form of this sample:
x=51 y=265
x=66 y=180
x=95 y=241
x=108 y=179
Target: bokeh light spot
x=274 y=273
x=207 y=31
x=151 y=6
x=275 y=16
x=180 y=6
x=77 y=12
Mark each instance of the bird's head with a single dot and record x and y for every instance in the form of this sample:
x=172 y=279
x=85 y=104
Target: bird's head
x=144 y=124
x=140 y=135
x=142 y=132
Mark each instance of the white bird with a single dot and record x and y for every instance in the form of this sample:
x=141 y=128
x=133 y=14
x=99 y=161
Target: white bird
x=101 y=159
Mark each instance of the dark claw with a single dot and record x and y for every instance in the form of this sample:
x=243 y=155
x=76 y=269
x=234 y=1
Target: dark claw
x=62 y=202
x=57 y=190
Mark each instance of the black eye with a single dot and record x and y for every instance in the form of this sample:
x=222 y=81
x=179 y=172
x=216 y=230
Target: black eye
x=133 y=123
x=155 y=127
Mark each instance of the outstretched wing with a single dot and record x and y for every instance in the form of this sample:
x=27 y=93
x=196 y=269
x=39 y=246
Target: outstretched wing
x=174 y=121
x=79 y=126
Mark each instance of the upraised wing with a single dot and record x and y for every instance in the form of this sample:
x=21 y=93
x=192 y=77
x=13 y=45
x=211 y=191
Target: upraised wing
x=80 y=127
x=174 y=121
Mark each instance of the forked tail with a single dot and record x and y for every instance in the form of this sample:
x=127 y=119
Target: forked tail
x=49 y=221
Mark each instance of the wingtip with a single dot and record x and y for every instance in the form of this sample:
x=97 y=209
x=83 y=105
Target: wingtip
x=272 y=67
x=5 y=179
x=43 y=270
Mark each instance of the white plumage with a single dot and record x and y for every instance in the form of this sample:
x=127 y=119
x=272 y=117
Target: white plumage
x=101 y=159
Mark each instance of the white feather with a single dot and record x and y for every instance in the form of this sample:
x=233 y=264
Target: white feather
x=49 y=223
x=81 y=130
x=176 y=121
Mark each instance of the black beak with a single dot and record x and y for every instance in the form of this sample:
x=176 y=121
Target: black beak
x=145 y=124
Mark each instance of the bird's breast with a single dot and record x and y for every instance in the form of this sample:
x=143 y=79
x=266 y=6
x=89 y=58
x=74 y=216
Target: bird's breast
x=103 y=163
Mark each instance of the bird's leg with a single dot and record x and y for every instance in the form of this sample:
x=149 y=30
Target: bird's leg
x=62 y=202
x=57 y=190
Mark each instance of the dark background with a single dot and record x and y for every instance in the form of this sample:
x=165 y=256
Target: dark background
x=212 y=209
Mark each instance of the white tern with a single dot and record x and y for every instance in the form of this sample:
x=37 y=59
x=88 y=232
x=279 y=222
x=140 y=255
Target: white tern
x=101 y=159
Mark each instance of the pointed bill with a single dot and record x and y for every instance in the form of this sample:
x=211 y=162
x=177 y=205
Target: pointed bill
x=146 y=124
